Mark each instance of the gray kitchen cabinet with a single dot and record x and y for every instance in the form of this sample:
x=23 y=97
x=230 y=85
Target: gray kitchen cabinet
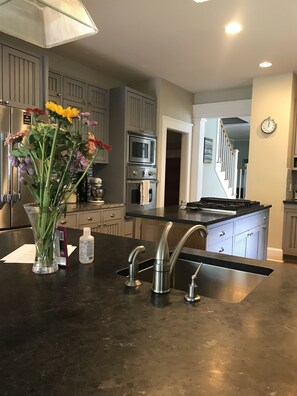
x=290 y=230
x=71 y=92
x=70 y=221
x=97 y=97
x=106 y=221
x=100 y=130
x=55 y=87
x=20 y=78
x=140 y=113
x=75 y=90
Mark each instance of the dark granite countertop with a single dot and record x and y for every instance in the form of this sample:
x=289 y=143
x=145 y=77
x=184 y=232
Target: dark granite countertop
x=80 y=207
x=190 y=216
x=81 y=332
x=290 y=201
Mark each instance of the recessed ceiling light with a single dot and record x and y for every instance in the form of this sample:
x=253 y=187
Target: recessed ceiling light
x=200 y=1
x=265 y=64
x=233 y=28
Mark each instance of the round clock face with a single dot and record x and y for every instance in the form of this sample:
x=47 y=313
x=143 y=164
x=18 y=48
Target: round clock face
x=268 y=125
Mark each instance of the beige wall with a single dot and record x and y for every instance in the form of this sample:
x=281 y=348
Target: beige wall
x=224 y=95
x=270 y=155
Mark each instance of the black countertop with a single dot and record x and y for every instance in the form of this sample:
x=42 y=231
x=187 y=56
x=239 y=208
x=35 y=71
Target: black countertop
x=190 y=216
x=81 y=332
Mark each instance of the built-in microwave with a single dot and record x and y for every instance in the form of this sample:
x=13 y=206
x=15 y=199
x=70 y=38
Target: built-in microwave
x=141 y=149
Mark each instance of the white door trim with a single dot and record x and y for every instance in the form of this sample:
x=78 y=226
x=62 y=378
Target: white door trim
x=185 y=128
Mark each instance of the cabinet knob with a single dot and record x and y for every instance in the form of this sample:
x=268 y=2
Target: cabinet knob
x=221 y=250
x=63 y=222
x=58 y=94
x=90 y=218
x=111 y=214
x=222 y=233
x=1 y=101
x=265 y=217
x=6 y=102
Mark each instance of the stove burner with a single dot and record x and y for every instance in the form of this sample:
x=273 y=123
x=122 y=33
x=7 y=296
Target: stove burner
x=223 y=204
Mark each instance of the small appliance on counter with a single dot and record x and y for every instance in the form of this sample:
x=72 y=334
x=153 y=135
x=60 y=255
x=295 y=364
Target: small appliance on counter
x=96 y=190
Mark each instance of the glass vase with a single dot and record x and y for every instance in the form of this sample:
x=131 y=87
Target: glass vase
x=44 y=222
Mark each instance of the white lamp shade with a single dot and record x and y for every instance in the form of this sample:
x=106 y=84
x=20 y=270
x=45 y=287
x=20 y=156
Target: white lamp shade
x=46 y=23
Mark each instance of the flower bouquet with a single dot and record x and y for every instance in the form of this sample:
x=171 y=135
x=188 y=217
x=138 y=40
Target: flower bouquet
x=48 y=157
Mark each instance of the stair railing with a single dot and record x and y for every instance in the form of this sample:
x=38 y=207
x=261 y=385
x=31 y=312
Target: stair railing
x=228 y=158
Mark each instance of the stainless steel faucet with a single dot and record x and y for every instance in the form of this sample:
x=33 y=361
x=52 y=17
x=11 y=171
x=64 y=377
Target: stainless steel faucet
x=133 y=266
x=164 y=263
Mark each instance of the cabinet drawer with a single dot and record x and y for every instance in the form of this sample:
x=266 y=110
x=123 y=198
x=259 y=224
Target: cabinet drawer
x=89 y=217
x=112 y=214
x=245 y=223
x=219 y=233
x=223 y=247
x=68 y=221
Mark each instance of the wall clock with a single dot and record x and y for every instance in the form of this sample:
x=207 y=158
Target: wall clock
x=268 y=125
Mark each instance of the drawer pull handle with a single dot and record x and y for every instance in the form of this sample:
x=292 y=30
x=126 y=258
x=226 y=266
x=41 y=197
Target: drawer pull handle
x=90 y=218
x=221 y=250
x=222 y=233
x=111 y=214
x=63 y=222
x=265 y=217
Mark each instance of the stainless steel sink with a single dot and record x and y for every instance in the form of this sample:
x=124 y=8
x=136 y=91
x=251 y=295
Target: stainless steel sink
x=218 y=279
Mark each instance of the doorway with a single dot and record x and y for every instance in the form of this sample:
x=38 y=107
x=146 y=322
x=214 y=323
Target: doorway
x=172 y=174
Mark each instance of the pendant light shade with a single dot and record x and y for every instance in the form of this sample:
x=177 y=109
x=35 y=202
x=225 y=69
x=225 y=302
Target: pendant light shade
x=46 y=23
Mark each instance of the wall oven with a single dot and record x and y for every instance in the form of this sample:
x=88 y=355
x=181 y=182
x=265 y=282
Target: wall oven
x=141 y=149
x=136 y=175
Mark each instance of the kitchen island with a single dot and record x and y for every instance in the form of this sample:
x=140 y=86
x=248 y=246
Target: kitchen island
x=80 y=331
x=242 y=234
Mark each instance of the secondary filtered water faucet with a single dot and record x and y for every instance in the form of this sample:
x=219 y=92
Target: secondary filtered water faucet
x=164 y=263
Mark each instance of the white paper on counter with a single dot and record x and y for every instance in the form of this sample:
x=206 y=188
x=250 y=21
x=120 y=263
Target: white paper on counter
x=26 y=254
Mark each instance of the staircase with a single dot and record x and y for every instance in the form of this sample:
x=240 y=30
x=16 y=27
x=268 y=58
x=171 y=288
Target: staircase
x=226 y=162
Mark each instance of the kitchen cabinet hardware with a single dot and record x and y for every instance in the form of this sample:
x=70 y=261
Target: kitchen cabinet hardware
x=221 y=250
x=222 y=233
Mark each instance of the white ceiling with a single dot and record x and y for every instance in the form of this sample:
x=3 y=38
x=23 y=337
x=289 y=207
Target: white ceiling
x=185 y=42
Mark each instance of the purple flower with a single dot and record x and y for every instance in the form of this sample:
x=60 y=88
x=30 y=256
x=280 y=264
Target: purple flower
x=23 y=180
x=85 y=114
x=23 y=167
x=14 y=161
x=30 y=170
x=92 y=123
x=28 y=159
x=84 y=162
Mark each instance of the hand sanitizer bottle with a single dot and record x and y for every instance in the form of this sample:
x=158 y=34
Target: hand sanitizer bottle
x=86 y=247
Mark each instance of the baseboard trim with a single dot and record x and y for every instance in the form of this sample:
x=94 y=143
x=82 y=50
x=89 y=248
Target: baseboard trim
x=275 y=254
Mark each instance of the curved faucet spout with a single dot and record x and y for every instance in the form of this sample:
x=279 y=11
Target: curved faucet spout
x=164 y=264
x=173 y=259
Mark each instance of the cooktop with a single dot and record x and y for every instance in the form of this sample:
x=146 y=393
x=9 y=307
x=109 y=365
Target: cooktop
x=223 y=205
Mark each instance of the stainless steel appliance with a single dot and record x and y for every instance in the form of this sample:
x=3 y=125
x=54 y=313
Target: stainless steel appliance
x=223 y=205
x=13 y=194
x=96 y=190
x=141 y=149
x=136 y=175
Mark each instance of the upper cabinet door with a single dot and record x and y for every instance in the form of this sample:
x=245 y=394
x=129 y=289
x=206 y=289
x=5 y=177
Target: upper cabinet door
x=21 y=78
x=97 y=97
x=149 y=116
x=74 y=90
x=100 y=131
x=133 y=112
x=55 y=87
x=140 y=113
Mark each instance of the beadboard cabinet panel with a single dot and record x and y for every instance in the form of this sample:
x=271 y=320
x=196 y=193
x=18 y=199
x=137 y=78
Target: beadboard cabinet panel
x=21 y=78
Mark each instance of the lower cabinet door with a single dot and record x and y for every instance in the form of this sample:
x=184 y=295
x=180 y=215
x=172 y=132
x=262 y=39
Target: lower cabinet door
x=247 y=244
x=112 y=227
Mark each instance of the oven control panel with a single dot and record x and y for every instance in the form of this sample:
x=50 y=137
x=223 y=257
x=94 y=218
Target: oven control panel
x=141 y=172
